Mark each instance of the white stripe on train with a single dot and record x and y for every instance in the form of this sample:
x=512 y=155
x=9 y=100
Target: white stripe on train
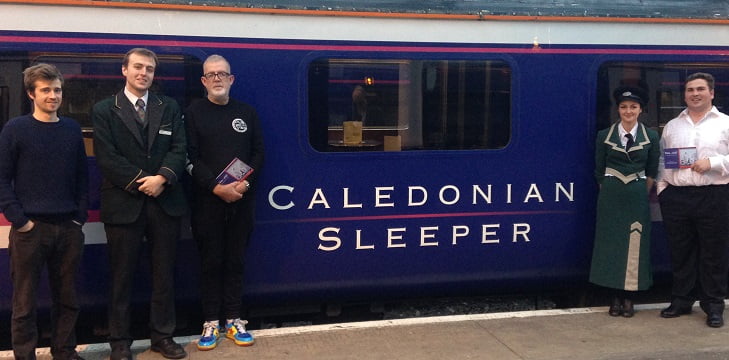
x=109 y=20
x=93 y=231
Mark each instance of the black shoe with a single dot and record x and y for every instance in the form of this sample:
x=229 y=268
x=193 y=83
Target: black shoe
x=628 y=310
x=615 y=309
x=169 y=349
x=120 y=352
x=715 y=320
x=675 y=311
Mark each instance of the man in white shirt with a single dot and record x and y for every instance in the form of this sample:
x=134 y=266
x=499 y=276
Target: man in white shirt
x=694 y=202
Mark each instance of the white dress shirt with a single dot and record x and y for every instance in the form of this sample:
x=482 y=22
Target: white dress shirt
x=710 y=137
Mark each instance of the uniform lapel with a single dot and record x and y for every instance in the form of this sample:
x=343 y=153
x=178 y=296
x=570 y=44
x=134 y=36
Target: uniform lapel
x=613 y=139
x=642 y=136
x=154 y=118
x=125 y=111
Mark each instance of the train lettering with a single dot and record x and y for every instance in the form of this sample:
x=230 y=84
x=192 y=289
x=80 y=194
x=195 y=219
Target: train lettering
x=331 y=240
x=417 y=196
x=276 y=205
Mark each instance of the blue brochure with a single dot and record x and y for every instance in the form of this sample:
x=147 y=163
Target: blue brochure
x=679 y=158
x=237 y=170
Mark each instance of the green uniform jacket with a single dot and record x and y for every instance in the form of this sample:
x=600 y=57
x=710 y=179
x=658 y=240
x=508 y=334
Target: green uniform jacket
x=123 y=155
x=621 y=255
x=610 y=153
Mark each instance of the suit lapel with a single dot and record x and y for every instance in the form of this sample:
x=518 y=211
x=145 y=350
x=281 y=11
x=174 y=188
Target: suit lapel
x=155 y=109
x=125 y=111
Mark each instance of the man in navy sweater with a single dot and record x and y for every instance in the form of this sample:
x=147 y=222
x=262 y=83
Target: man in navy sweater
x=43 y=193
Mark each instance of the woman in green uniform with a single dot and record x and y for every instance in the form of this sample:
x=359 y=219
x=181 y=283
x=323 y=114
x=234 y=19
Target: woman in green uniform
x=626 y=164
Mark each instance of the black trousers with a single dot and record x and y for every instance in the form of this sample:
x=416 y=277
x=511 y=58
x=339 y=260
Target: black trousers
x=58 y=246
x=697 y=223
x=125 y=245
x=221 y=231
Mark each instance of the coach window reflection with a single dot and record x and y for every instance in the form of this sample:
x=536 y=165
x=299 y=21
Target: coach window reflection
x=409 y=105
x=361 y=108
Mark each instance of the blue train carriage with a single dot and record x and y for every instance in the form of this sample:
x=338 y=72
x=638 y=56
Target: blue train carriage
x=472 y=173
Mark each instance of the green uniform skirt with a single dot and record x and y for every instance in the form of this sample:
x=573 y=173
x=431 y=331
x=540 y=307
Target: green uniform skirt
x=621 y=256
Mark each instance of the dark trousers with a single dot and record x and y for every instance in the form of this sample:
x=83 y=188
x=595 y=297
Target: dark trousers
x=221 y=231
x=125 y=245
x=59 y=247
x=697 y=223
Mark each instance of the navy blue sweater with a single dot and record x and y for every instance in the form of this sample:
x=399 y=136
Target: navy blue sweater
x=43 y=171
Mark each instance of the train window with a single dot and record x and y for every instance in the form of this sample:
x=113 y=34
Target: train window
x=664 y=84
x=90 y=77
x=393 y=105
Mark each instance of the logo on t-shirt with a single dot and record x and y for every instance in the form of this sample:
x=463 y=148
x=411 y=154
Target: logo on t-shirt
x=239 y=125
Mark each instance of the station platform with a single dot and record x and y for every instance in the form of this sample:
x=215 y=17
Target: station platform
x=574 y=334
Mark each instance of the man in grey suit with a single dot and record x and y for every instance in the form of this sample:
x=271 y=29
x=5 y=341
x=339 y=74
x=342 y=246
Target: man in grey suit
x=139 y=140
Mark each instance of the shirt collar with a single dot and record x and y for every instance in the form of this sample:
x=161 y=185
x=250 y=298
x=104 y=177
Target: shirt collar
x=713 y=112
x=133 y=98
x=633 y=132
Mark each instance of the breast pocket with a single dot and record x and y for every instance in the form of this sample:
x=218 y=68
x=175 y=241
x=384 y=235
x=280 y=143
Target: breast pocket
x=165 y=130
x=164 y=135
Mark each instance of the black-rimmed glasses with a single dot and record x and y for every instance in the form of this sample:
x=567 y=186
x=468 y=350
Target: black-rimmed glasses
x=220 y=75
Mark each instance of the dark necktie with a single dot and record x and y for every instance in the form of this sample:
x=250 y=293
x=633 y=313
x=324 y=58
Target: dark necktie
x=140 y=110
x=630 y=142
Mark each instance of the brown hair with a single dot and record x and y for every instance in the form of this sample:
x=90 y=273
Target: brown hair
x=705 y=76
x=140 y=51
x=40 y=71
